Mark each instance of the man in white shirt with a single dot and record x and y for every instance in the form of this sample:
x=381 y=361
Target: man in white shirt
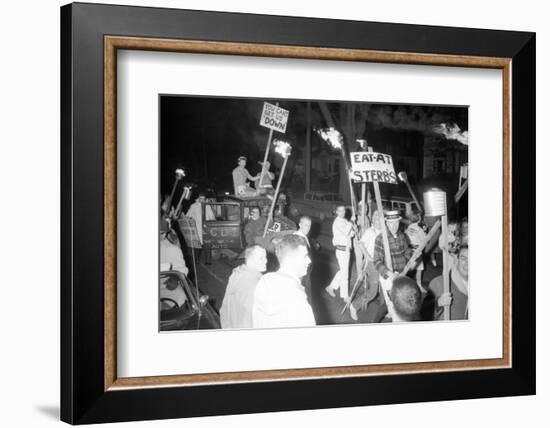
x=280 y=299
x=195 y=212
x=236 y=310
x=171 y=258
x=304 y=226
x=342 y=232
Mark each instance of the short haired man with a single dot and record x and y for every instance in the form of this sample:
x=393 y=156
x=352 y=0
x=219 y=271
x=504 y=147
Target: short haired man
x=240 y=178
x=342 y=232
x=280 y=299
x=406 y=300
x=254 y=227
x=266 y=186
x=236 y=309
x=195 y=212
x=304 y=227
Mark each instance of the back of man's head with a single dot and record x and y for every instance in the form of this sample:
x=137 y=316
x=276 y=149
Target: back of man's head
x=289 y=244
x=406 y=298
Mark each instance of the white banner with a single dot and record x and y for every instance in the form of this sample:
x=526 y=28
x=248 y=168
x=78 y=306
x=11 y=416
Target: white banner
x=274 y=117
x=371 y=166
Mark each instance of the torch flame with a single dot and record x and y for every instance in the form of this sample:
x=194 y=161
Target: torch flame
x=331 y=136
x=452 y=132
x=282 y=147
x=362 y=142
x=180 y=173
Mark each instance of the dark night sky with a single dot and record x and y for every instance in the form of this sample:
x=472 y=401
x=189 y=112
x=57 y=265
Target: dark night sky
x=206 y=135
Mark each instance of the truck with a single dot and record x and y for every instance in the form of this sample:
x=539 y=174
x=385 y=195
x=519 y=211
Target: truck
x=226 y=230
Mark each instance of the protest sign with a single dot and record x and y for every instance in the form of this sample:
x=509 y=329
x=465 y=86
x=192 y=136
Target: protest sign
x=188 y=229
x=372 y=167
x=274 y=117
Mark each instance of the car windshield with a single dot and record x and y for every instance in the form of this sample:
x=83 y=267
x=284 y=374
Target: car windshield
x=221 y=212
x=174 y=291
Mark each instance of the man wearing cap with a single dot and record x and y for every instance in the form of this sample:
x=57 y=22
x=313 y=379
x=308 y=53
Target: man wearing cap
x=266 y=186
x=400 y=249
x=240 y=177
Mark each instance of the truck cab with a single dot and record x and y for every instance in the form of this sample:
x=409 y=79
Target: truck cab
x=224 y=218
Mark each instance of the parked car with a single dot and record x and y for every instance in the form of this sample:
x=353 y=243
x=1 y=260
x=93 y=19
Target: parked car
x=316 y=204
x=402 y=204
x=182 y=306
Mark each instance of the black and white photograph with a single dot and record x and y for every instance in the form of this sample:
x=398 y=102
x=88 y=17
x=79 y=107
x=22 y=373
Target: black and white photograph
x=282 y=213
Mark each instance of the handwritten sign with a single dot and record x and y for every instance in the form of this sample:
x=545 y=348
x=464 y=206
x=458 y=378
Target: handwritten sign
x=372 y=167
x=189 y=230
x=274 y=117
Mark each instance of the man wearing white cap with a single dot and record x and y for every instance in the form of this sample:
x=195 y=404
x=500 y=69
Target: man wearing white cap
x=400 y=248
x=240 y=178
x=267 y=180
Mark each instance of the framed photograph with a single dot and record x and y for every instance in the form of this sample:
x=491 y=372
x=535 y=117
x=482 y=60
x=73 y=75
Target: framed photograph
x=266 y=213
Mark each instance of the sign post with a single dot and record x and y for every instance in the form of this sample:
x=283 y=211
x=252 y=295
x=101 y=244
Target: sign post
x=435 y=203
x=376 y=168
x=284 y=149
x=274 y=118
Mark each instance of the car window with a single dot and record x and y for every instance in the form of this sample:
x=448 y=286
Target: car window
x=174 y=293
x=222 y=212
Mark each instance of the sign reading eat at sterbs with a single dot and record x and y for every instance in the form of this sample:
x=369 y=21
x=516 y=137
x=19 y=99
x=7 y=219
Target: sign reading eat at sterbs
x=274 y=117
x=372 y=167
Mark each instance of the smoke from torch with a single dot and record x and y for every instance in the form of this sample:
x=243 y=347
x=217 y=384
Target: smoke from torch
x=452 y=132
x=331 y=136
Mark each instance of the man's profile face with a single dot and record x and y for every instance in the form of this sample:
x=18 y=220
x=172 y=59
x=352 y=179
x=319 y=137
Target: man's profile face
x=463 y=262
x=202 y=199
x=393 y=226
x=258 y=260
x=242 y=163
x=341 y=212
x=298 y=261
x=305 y=226
x=255 y=213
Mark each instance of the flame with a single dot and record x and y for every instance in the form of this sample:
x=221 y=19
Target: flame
x=452 y=132
x=180 y=173
x=282 y=147
x=362 y=142
x=331 y=136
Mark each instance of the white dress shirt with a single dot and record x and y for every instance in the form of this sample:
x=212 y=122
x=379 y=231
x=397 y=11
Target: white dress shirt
x=342 y=231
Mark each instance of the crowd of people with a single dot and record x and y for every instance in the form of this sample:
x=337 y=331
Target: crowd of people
x=389 y=253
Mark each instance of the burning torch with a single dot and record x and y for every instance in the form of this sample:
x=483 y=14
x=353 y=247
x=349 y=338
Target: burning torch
x=180 y=173
x=333 y=137
x=284 y=149
x=403 y=177
x=185 y=196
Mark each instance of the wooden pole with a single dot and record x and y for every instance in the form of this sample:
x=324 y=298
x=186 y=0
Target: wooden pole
x=344 y=152
x=269 y=138
x=270 y=216
x=308 y=147
x=420 y=207
x=385 y=240
x=446 y=267
x=364 y=207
